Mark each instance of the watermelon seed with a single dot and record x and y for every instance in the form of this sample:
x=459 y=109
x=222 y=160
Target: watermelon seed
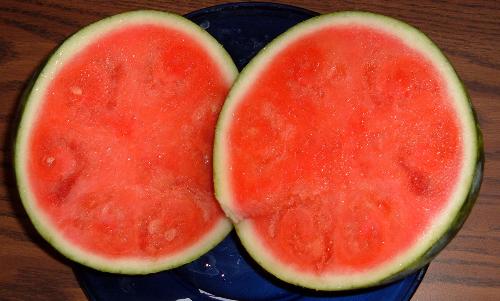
x=154 y=226
x=76 y=90
x=50 y=160
x=205 y=207
x=214 y=108
x=170 y=234
x=272 y=224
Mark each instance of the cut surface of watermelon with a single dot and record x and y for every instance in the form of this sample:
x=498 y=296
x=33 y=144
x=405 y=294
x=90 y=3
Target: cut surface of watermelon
x=114 y=149
x=347 y=152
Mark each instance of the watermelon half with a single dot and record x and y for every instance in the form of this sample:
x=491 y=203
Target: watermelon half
x=113 y=155
x=347 y=152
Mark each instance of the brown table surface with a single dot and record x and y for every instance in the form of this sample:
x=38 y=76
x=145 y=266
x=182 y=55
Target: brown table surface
x=468 y=33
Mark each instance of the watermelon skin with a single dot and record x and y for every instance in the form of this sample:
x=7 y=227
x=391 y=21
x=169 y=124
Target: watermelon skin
x=471 y=185
x=128 y=265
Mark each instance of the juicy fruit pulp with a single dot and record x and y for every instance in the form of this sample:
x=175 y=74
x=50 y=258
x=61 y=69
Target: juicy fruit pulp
x=346 y=152
x=363 y=133
x=120 y=150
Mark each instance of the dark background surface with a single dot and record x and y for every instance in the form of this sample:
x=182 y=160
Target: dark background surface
x=468 y=33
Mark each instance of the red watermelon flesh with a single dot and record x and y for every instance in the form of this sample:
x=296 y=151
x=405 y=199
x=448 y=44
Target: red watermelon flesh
x=120 y=152
x=344 y=150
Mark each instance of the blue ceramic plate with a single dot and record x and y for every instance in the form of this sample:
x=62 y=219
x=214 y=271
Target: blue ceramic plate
x=227 y=272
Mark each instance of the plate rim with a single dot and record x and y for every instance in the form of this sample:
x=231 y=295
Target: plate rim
x=239 y=5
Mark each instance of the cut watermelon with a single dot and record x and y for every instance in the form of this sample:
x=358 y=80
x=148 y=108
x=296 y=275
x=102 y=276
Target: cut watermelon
x=347 y=152
x=114 y=148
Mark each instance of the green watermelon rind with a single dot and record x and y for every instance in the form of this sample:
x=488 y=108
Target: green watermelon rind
x=446 y=224
x=30 y=102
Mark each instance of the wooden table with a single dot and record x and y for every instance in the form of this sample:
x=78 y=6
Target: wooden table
x=468 y=33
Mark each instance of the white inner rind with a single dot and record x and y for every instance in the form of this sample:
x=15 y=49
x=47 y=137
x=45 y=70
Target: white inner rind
x=222 y=168
x=34 y=100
